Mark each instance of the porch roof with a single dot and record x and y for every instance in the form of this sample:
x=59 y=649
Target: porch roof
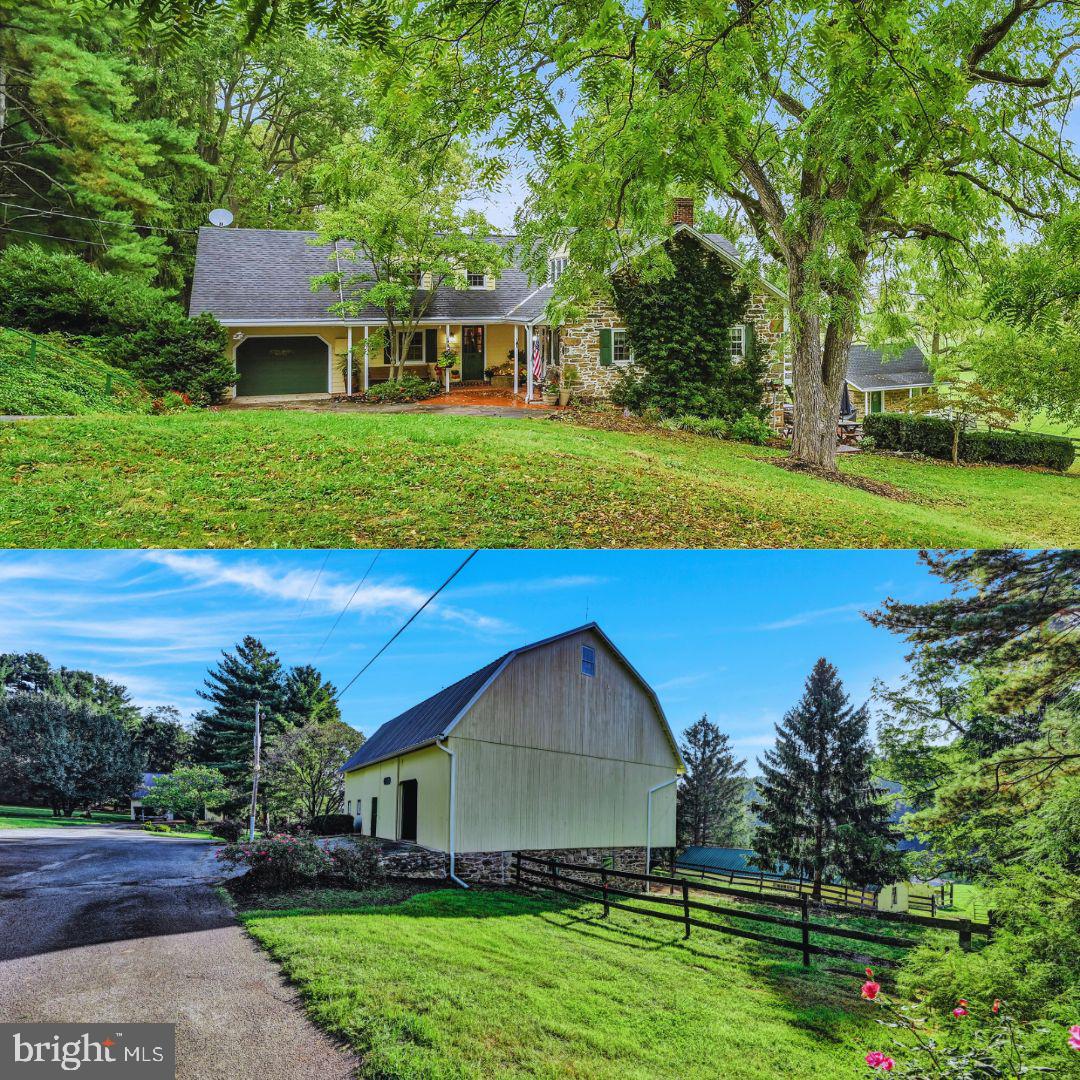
x=868 y=371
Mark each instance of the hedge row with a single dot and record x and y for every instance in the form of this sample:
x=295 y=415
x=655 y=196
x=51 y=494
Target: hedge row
x=933 y=437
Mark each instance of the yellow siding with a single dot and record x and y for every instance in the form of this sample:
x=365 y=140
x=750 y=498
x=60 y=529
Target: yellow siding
x=550 y=758
x=500 y=342
x=430 y=768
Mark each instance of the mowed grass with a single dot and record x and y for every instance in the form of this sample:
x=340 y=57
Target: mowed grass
x=297 y=479
x=482 y=984
x=33 y=817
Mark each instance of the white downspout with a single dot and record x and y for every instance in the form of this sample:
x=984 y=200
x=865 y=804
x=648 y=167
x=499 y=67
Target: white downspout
x=453 y=787
x=648 y=819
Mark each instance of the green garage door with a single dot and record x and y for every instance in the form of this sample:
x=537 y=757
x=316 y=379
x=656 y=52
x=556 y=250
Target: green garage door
x=281 y=365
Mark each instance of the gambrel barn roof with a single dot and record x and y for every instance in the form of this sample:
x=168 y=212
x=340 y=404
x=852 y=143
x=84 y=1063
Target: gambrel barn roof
x=434 y=718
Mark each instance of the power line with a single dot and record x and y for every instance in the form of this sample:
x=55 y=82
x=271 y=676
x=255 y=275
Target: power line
x=106 y=221
x=47 y=236
x=405 y=625
x=311 y=591
x=341 y=613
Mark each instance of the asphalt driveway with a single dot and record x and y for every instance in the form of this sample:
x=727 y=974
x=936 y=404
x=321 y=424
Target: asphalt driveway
x=106 y=924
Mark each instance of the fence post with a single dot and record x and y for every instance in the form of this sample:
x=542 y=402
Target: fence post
x=671 y=887
x=517 y=868
x=603 y=885
x=686 y=907
x=933 y=905
x=804 y=910
x=553 y=873
x=33 y=349
x=965 y=934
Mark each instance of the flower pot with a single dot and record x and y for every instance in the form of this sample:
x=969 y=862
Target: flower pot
x=564 y=397
x=551 y=397
x=502 y=382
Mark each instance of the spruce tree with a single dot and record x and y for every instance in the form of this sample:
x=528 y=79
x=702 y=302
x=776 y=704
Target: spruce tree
x=309 y=698
x=225 y=733
x=822 y=817
x=710 y=803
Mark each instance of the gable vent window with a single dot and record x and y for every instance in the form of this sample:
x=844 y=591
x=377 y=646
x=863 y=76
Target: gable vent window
x=588 y=660
x=556 y=268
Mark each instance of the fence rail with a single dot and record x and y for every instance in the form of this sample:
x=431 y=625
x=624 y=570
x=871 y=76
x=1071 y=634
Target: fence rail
x=37 y=343
x=604 y=885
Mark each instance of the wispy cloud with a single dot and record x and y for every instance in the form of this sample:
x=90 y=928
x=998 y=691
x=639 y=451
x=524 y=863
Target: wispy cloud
x=801 y=618
x=685 y=680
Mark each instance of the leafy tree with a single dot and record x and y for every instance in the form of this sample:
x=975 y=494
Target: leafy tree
x=189 y=791
x=835 y=132
x=822 y=817
x=309 y=698
x=1009 y=611
x=304 y=768
x=67 y=752
x=710 y=808
x=162 y=739
x=964 y=405
x=678 y=328
x=225 y=735
x=395 y=218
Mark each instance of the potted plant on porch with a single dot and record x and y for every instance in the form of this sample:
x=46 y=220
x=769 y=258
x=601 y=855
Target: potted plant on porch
x=445 y=363
x=569 y=380
x=550 y=393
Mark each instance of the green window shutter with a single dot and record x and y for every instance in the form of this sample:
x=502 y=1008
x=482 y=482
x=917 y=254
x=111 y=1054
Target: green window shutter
x=605 y=347
x=431 y=345
x=750 y=342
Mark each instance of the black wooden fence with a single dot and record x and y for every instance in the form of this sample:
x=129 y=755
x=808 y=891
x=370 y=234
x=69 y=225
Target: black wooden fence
x=615 y=889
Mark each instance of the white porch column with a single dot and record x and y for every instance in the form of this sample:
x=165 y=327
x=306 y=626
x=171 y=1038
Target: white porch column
x=446 y=371
x=528 y=362
x=515 y=359
x=348 y=363
x=866 y=403
x=367 y=360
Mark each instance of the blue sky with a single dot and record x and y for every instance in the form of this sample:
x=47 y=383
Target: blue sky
x=731 y=634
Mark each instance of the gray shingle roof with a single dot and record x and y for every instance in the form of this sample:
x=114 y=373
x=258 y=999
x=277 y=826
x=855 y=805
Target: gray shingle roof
x=148 y=779
x=866 y=371
x=433 y=717
x=264 y=275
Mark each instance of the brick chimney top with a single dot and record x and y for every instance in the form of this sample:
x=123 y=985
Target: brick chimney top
x=683 y=213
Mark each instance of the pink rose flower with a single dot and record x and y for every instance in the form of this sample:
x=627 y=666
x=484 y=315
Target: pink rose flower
x=877 y=1060
x=1074 y=1037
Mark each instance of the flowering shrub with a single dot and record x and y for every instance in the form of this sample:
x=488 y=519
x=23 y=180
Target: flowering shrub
x=278 y=861
x=172 y=401
x=356 y=864
x=991 y=1043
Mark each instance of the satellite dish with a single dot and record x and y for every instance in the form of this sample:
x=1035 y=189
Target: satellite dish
x=221 y=218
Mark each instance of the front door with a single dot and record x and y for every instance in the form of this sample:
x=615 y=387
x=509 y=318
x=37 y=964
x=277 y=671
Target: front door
x=408 y=809
x=374 y=816
x=472 y=353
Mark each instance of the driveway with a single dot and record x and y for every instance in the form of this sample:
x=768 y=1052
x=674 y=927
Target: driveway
x=100 y=924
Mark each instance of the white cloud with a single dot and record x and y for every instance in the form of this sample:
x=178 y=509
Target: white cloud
x=801 y=618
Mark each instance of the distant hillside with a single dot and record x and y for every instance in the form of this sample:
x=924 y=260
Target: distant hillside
x=43 y=374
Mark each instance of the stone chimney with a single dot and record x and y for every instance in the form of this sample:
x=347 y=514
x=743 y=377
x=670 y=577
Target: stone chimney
x=683 y=213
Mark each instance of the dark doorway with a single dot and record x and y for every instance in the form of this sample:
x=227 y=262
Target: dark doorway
x=472 y=353
x=408 y=810
x=374 y=816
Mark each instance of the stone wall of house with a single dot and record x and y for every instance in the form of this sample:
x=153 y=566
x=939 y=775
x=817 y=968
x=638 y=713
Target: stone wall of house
x=497 y=867
x=894 y=401
x=579 y=345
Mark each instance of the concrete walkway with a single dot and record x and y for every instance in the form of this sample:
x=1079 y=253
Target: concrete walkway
x=121 y=925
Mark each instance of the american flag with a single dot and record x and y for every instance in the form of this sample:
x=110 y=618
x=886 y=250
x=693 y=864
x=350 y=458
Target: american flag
x=538 y=367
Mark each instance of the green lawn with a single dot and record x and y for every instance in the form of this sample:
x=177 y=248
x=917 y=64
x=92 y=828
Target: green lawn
x=478 y=984
x=33 y=817
x=297 y=479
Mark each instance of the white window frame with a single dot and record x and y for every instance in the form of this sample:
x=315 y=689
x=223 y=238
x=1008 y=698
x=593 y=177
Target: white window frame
x=619 y=340
x=472 y=285
x=737 y=345
x=556 y=268
x=423 y=346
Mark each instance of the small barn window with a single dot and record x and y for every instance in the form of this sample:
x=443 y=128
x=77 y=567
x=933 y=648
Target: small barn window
x=349 y=810
x=894 y=896
x=588 y=660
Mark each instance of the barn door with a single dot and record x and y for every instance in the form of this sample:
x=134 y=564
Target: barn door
x=408 y=809
x=374 y=816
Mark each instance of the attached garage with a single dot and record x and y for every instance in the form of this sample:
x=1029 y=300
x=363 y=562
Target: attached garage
x=287 y=364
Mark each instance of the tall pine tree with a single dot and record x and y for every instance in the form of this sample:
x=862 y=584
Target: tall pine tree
x=309 y=698
x=225 y=733
x=710 y=796
x=822 y=817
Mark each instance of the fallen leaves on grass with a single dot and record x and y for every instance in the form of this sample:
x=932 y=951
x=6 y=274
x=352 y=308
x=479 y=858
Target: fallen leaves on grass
x=863 y=483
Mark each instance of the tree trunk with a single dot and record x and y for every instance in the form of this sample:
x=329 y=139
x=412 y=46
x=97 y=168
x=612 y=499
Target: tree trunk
x=956 y=444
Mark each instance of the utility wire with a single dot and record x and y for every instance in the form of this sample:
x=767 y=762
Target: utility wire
x=106 y=221
x=311 y=591
x=47 y=236
x=405 y=625
x=341 y=613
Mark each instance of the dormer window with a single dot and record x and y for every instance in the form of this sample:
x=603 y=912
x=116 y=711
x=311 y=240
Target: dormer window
x=556 y=268
x=476 y=281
